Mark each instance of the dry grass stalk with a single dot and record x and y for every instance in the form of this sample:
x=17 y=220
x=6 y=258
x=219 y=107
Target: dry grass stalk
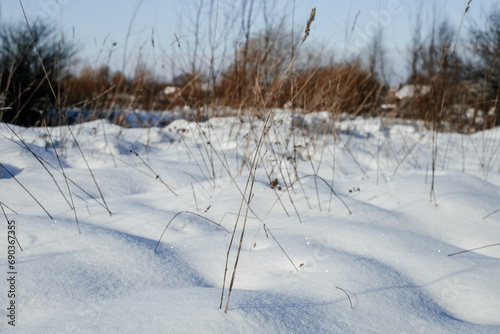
x=157 y=176
x=182 y=213
x=350 y=302
x=61 y=112
x=267 y=230
x=65 y=179
x=8 y=223
x=25 y=189
x=251 y=177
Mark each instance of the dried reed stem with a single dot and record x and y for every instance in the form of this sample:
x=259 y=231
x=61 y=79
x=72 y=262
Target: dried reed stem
x=25 y=189
x=350 y=302
x=186 y=212
x=267 y=230
x=65 y=179
x=8 y=223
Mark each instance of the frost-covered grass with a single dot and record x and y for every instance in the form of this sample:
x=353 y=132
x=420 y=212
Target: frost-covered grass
x=388 y=258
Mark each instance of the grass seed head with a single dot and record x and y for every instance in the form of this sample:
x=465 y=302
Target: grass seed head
x=309 y=22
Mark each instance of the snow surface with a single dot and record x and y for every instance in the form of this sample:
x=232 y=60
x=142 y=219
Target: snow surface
x=389 y=258
x=409 y=91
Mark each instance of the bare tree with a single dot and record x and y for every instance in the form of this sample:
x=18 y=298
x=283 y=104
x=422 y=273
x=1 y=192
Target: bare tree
x=377 y=56
x=416 y=47
x=26 y=92
x=487 y=49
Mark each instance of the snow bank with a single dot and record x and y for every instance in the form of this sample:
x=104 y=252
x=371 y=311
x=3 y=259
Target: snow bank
x=382 y=269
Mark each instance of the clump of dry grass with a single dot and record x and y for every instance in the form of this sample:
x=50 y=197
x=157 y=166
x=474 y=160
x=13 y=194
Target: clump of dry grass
x=342 y=88
x=248 y=193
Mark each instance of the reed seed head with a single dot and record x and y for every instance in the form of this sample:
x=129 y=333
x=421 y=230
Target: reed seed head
x=308 y=26
x=468 y=6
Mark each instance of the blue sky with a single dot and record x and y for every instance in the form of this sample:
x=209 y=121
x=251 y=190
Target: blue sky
x=115 y=32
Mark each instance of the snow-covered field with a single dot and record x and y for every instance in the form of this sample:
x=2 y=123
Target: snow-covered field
x=307 y=265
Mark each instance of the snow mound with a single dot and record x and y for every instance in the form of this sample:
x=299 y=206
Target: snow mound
x=343 y=234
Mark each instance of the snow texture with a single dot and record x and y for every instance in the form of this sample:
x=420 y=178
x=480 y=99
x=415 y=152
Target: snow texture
x=384 y=268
